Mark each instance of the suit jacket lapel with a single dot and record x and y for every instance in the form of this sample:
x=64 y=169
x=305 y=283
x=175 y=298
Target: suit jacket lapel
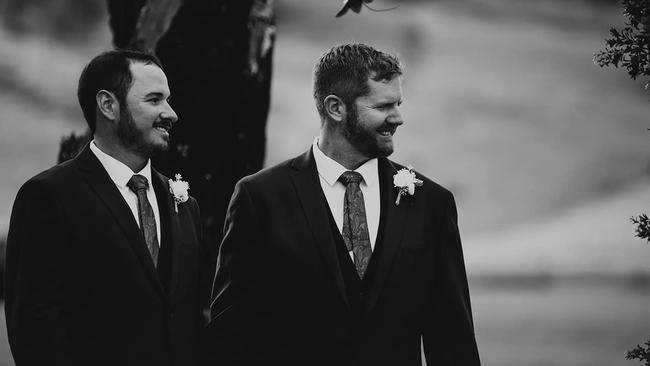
x=394 y=220
x=170 y=226
x=307 y=185
x=107 y=192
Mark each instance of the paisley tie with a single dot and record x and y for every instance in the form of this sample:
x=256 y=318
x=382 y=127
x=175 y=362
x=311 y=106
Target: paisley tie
x=355 y=226
x=139 y=184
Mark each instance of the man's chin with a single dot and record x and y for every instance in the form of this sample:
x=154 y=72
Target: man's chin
x=384 y=150
x=159 y=148
x=384 y=153
x=151 y=150
x=378 y=152
x=372 y=147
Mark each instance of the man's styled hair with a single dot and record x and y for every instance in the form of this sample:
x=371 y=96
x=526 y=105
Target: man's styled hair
x=344 y=71
x=108 y=71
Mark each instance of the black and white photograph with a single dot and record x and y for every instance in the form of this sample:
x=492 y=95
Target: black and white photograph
x=325 y=182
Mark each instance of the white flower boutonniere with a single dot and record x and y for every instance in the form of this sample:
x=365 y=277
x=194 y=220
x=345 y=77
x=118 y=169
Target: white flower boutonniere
x=178 y=188
x=406 y=182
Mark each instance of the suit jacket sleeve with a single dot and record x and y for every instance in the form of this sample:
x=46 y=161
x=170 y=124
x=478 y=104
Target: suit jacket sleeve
x=37 y=246
x=449 y=332
x=236 y=293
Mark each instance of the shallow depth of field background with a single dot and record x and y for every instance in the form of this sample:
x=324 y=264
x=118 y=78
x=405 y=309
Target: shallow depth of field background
x=547 y=154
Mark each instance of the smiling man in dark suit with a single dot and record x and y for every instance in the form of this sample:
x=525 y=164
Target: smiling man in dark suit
x=341 y=256
x=103 y=260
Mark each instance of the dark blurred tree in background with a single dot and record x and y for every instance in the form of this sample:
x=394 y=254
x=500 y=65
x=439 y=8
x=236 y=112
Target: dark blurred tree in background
x=217 y=56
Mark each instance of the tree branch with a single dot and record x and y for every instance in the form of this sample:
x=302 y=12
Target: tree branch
x=154 y=21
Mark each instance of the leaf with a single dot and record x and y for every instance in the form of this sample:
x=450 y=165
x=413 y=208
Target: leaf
x=616 y=59
x=355 y=6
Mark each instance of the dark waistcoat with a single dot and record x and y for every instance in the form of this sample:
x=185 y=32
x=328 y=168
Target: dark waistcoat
x=354 y=286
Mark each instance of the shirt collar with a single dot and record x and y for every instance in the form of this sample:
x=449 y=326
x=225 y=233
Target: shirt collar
x=331 y=170
x=119 y=172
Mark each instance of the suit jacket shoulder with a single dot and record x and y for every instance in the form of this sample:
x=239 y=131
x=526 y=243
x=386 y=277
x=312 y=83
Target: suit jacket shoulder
x=53 y=180
x=275 y=180
x=271 y=175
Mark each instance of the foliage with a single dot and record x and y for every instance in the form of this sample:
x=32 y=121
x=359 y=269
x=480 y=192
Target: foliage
x=642 y=223
x=72 y=145
x=355 y=6
x=641 y=353
x=629 y=47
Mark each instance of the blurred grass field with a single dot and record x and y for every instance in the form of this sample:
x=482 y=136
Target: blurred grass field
x=566 y=324
x=547 y=154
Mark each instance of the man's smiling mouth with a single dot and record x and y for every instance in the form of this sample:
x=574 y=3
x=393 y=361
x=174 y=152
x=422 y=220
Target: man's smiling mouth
x=163 y=126
x=387 y=132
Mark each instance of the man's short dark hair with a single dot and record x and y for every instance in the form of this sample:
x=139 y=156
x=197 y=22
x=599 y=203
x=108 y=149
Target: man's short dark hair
x=108 y=71
x=344 y=71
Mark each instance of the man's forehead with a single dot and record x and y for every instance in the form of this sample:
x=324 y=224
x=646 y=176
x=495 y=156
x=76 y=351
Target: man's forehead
x=142 y=70
x=385 y=86
x=147 y=76
x=395 y=79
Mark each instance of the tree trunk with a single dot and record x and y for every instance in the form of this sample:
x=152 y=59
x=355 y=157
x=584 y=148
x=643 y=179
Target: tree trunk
x=217 y=56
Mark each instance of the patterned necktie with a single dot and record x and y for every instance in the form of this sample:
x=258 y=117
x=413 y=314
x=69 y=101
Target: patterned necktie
x=139 y=184
x=355 y=227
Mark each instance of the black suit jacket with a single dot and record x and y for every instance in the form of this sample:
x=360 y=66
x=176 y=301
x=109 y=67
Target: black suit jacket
x=81 y=288
x=280 y=297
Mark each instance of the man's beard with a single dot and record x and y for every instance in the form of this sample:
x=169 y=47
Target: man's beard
x=134 y=139
x=363 y=140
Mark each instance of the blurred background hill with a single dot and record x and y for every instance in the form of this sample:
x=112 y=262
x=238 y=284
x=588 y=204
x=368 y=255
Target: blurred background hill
x=547 y=154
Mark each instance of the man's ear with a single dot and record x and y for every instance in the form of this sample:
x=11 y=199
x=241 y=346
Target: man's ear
x=335 y=108
x=108 y=105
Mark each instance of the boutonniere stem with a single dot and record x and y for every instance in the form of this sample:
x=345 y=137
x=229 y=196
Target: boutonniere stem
x=405 y=181
x=178 y=188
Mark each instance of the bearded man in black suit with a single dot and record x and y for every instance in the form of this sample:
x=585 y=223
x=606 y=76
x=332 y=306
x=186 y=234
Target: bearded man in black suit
x=341 y=256
x=103 y=254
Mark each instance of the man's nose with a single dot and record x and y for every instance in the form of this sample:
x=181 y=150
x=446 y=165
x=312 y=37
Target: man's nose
x=169 y=113
x=395 y=117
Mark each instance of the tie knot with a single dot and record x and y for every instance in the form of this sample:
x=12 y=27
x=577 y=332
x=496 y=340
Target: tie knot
x=350 y=177
x=138 y=182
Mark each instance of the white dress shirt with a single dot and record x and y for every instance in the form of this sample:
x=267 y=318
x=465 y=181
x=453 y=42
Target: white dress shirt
x=329 y=172
x=120 y=174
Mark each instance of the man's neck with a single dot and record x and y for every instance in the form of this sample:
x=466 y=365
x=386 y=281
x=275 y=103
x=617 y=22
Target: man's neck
x=133 y=160
x=340 y=151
